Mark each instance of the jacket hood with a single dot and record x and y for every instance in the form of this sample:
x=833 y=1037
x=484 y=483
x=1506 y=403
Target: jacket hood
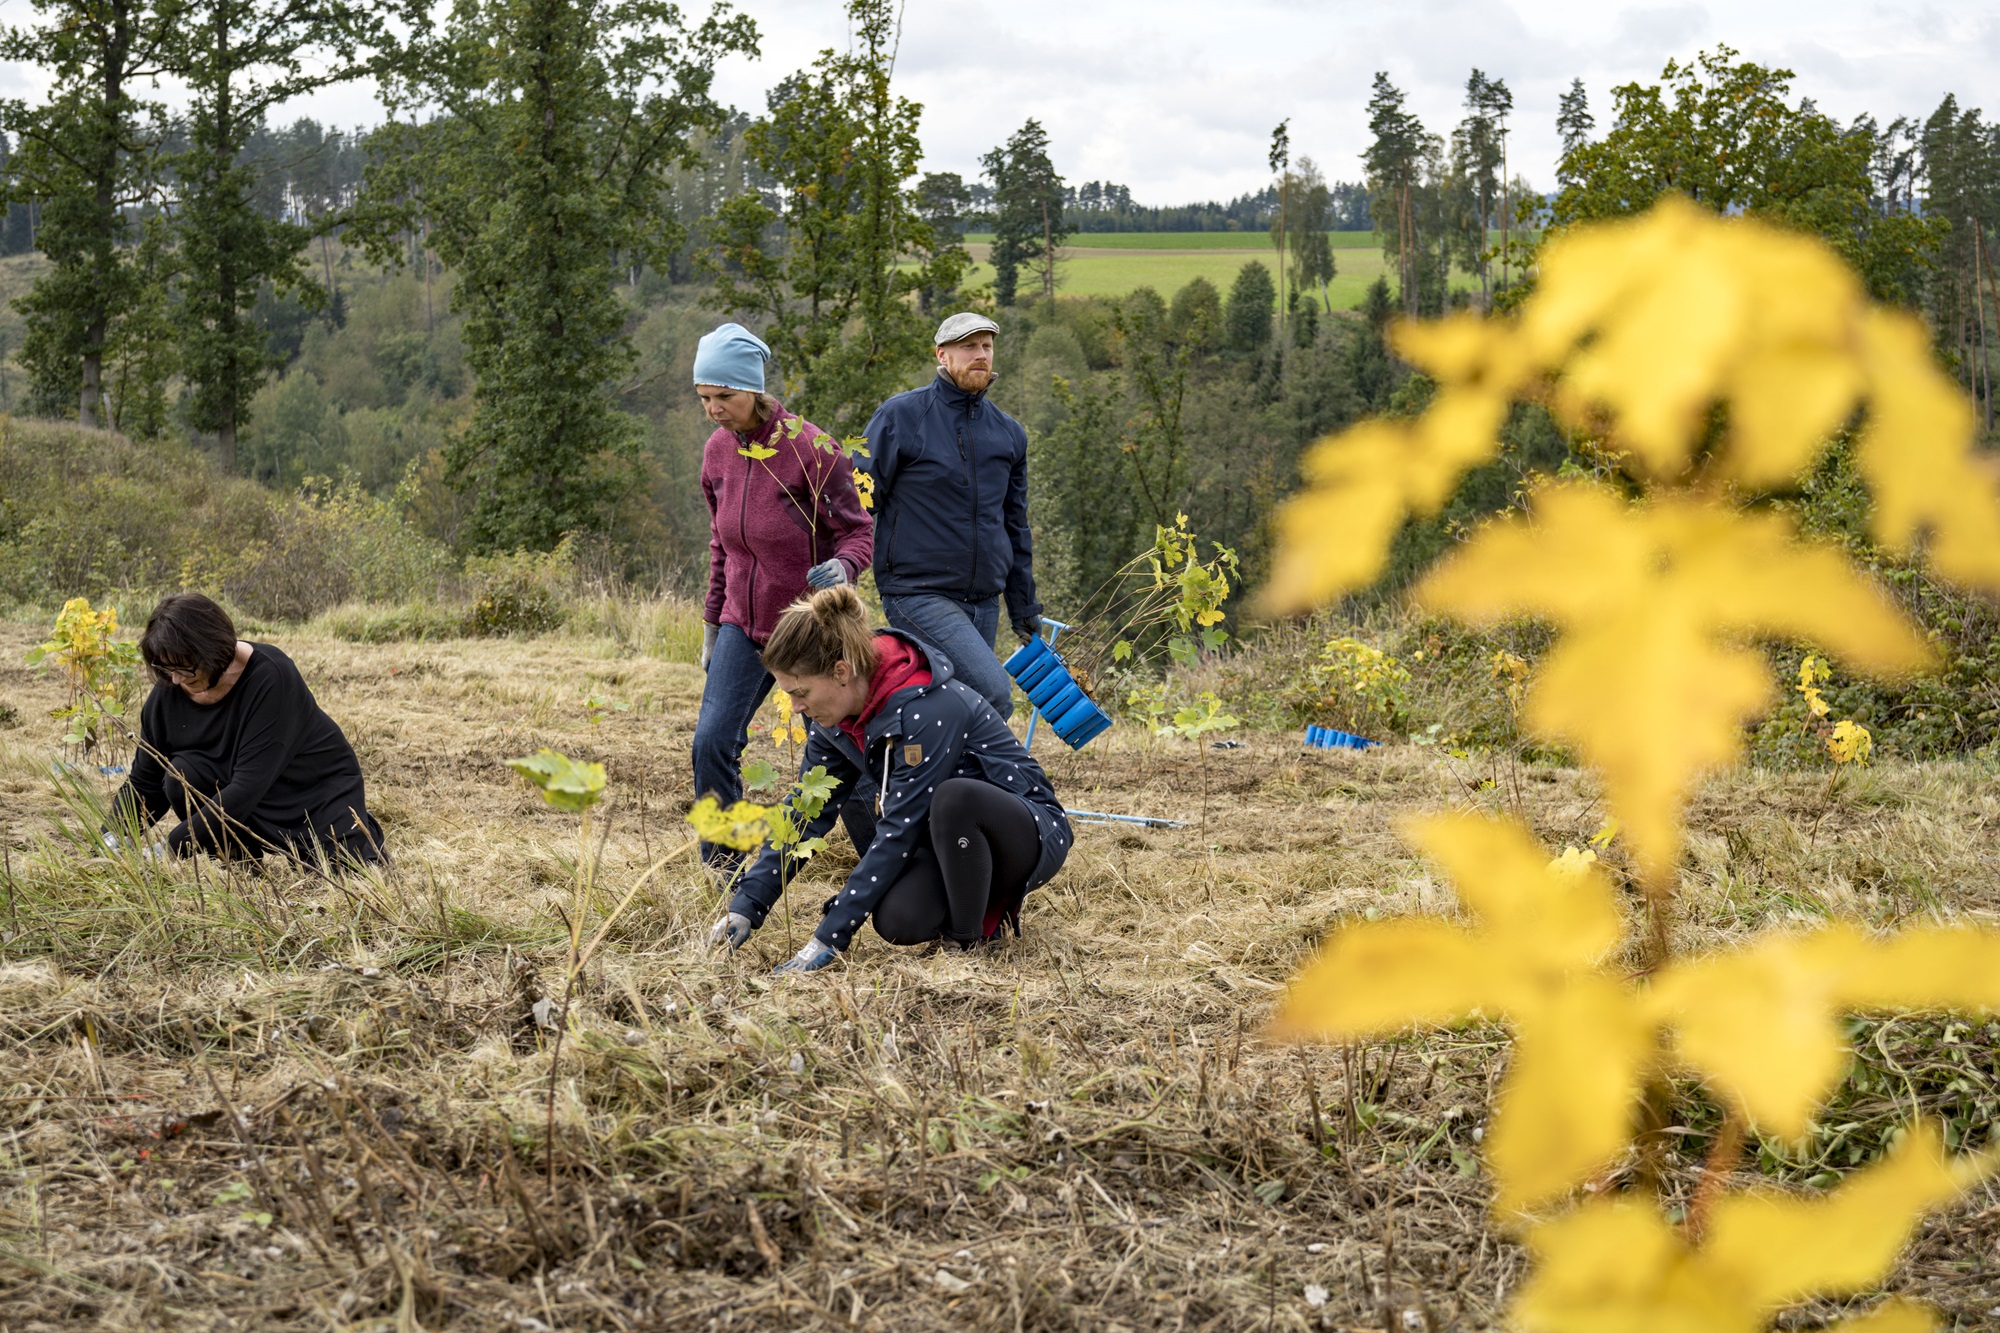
x=892 y=707
x=890 y=717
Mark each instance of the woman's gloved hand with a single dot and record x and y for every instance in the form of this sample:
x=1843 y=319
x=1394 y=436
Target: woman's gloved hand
x=810 y=958
x=148 y=851
x=708 y=635
x=733 y=930
x=827 y=574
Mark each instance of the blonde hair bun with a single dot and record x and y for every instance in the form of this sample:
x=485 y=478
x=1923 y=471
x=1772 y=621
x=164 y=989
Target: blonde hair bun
x=820 y=629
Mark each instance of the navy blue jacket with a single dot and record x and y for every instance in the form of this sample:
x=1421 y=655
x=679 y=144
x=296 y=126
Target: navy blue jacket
x=951 y=499
x=923 y=735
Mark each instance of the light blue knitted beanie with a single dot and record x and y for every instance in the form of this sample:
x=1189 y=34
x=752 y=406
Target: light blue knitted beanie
x=731 y=357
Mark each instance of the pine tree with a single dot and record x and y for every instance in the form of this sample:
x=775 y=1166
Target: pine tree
x=1482 y=159
x=1573 y=125
x=942 y=200
x=1394 y=165
x=1247 y=318
x=1281 y=217
x=1029 y=222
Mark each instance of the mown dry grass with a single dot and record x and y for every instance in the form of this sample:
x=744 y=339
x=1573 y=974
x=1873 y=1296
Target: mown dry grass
x=272 y=1102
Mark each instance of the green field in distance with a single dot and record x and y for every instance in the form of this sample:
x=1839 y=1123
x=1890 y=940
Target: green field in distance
x=1187 y=240
x=1115 y=263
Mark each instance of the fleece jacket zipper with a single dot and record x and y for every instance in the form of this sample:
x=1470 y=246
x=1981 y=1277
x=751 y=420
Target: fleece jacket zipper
x=972 y=490
x=743 y=532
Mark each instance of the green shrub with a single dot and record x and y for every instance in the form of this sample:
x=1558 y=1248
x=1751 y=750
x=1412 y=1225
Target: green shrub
x=1354 y=686
x=525 y=592
x=396 y=622
x=88 y=513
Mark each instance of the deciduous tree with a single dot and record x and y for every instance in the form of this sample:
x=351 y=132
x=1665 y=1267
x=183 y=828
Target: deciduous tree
x=1720 y=132
x=553 y=129
x=239 y=59
x=87 y=153
x=821 y=271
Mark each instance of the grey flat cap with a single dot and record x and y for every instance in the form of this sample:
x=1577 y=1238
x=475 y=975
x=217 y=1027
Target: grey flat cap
x=963 y=325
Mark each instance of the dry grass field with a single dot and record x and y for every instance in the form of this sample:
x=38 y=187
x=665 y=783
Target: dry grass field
x=274 y=1102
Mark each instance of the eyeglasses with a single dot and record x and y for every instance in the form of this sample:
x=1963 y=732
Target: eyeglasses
x=178 y=675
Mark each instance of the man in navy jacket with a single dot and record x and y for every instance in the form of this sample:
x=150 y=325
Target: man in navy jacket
x=951 y=511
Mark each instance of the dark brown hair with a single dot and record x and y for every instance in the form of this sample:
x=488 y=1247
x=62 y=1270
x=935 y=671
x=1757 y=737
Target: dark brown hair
x=188 y=632
x=829 y=626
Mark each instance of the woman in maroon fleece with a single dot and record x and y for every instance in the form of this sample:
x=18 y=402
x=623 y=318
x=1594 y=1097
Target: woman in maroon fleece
x=784 y=518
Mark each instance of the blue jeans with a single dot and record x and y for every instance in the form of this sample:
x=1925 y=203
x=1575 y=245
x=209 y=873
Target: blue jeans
x=964 y=632
x=736 y=688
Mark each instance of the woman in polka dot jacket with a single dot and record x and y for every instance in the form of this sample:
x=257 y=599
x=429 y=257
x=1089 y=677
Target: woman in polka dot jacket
x=968 y=823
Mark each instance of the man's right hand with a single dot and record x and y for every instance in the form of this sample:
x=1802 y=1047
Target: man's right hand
x=733 y=930
x=708 y=636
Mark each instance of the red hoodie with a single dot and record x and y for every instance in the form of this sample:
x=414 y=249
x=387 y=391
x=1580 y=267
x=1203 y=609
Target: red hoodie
x=761 y=540
x=897 y=667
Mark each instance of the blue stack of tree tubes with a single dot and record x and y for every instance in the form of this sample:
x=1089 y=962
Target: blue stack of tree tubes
x=1043 y=677
x=1332 y=738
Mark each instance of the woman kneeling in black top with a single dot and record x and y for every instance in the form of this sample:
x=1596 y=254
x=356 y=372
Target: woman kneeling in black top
x=232 y=743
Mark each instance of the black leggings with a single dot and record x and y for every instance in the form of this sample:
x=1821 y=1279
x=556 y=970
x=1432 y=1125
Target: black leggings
x=984 y=845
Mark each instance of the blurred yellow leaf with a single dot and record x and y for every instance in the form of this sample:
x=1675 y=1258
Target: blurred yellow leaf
x=1762 y=1023
x=1565 y=1106
x=1637 y=331
x=1378 y=978
x=1785 y=403
x=1777 y=1249
x=1650 y=680
x=1933 y=967
x=744 y=826
x=1618 y=1265
x=1552 y=923
x=1361 y=485
x=1915 y=452
x=1659 y=317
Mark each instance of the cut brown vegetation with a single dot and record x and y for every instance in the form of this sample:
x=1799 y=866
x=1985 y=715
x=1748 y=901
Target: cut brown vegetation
x=271 y=1101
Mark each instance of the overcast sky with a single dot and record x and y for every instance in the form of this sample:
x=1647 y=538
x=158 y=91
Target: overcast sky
x=1177 y=98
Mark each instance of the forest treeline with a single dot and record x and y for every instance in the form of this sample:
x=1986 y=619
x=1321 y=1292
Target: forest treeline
x=482 y=311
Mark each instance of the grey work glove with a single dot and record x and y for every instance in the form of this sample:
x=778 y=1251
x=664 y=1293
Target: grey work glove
x=826 y=574
x=148 y=851
x=708 y=636
x=811 y=957
x=733 y=930
x=1028 y=627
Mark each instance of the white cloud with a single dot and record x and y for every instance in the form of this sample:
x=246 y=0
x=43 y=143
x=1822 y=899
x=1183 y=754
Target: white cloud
x=1177 y=98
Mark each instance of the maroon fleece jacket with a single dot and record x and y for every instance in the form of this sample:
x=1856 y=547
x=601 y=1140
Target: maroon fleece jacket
x=772 y=519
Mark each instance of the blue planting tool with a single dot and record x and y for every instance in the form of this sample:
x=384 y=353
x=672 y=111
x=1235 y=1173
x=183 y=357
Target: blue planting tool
x=1054 y=694
x=1332 y=738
